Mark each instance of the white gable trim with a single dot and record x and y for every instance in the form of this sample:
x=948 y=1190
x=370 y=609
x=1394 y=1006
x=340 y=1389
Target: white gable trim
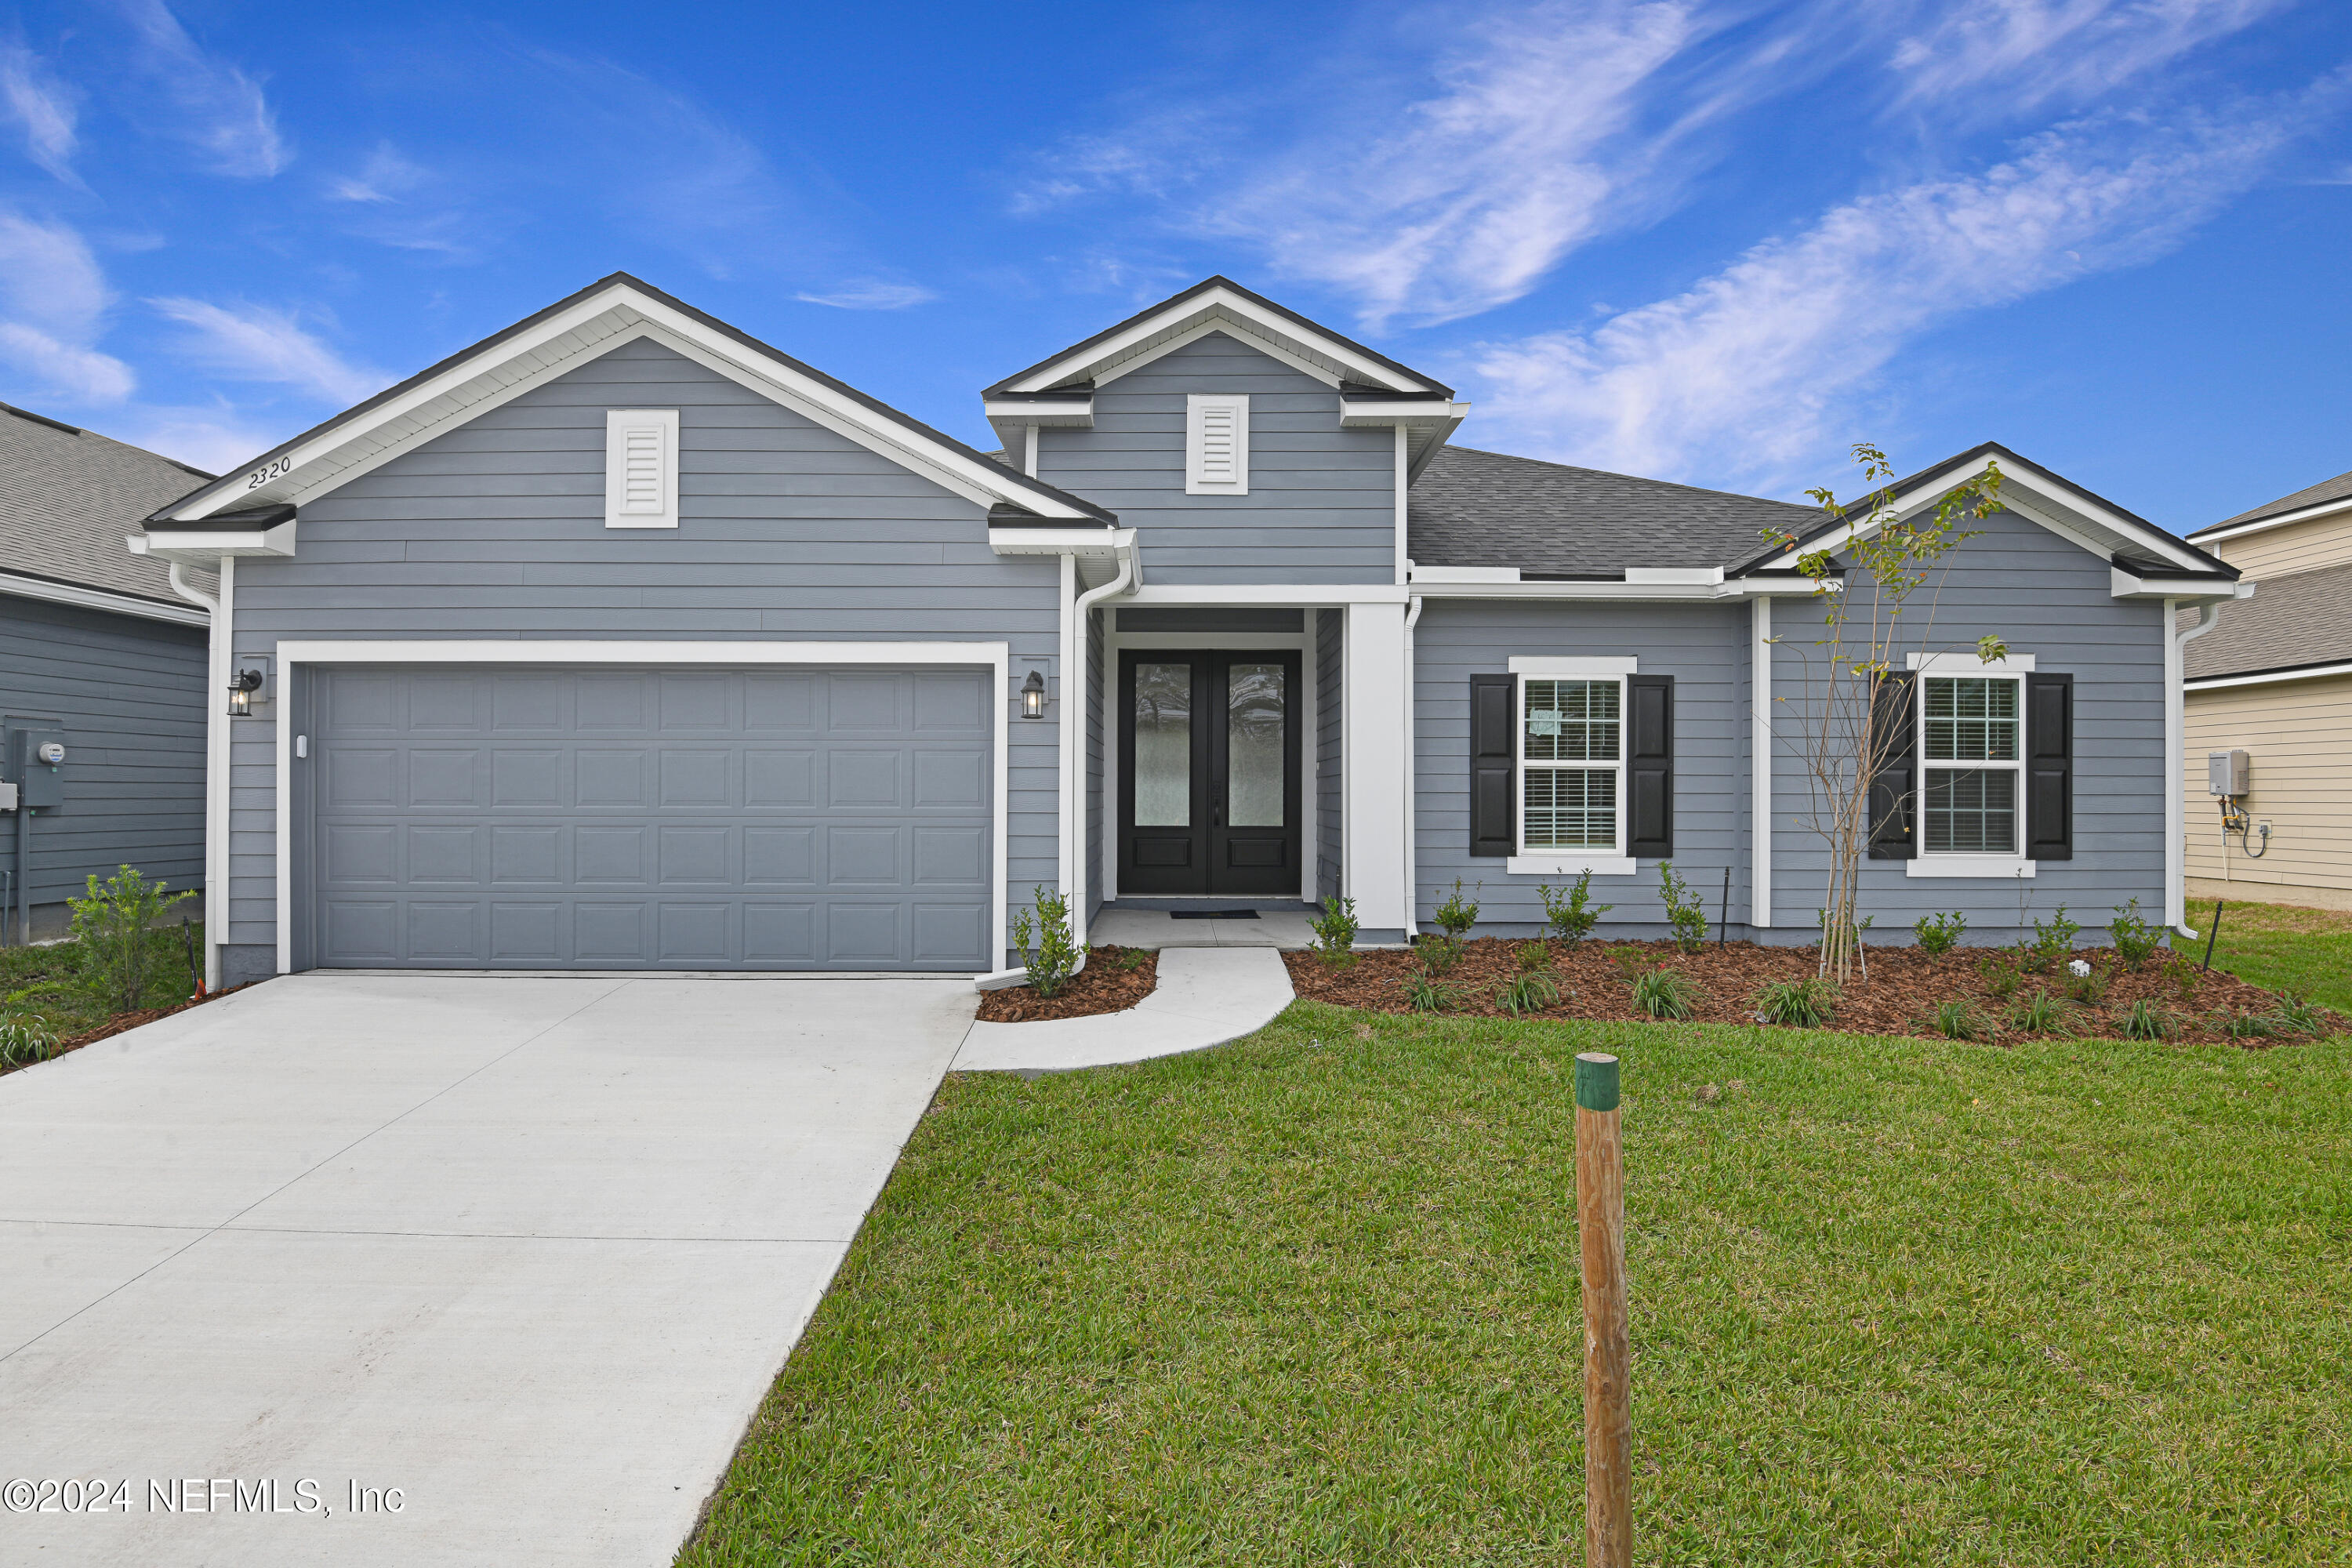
x=2034 y=487
x=606 y=321
x=1237 y=331
x=1103 y=360
x=2218 y=533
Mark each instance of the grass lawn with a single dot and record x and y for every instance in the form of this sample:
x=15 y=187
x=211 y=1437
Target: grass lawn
x=2281 y=947
x=1312 y=1298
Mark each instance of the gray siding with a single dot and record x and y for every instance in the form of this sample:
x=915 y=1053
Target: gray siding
x=1703 y=646
x=129 y=696
x=1322 y=500
x=788 y=531
x=1330 y=641
x=2050 y=599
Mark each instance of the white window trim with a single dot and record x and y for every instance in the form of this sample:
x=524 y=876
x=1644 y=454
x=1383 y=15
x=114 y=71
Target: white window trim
x=996 y=657
x=1196 y=405
x=1947 y=863
x=1967 y=664
x=1544 y=862
x=617 y=420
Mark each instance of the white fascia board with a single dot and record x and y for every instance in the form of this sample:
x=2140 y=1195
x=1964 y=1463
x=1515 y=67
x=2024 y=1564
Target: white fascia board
x=87 y=598
x=1702 y=591
x=2301 y=514
x=1673 y=574
x=1259 y=321
x=1060 y=541
x=1051 y=414
x=2123 y=584
x=1967 y=664
x=1318 y=595
x=771 y=377
x=1239 y=331
x=202 y=547
x=622 y=651
x=2311 y=672
x=1465 y=574
x=1366 y=412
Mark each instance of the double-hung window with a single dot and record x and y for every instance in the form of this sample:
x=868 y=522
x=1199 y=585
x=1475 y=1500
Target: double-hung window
x=1972 y=763
x=1571 y=725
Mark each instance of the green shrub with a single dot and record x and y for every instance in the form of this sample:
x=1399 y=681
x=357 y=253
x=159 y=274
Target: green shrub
x=1574 y=916
x=1456 y=915
x=2039 y=1014
x=1958 y=1021
x=1056 y=955
x=2147 y=1021
x=2050 y=942
x=110 y=927
x=2183 y=975
x=1437 y=953
x=2090 y=987
x=2295 y=1015
x=1630 y=962
x=2000 y=974
x=24 y=1038
x=2137 y=940
x=1423 y=994
x=1335 y=933
x=2236 y=1026
x=1686 y=911
x=1939 y=934
x=1808 y=1004
x=1665 y=994
x=1530 y=991
x=1533 y=956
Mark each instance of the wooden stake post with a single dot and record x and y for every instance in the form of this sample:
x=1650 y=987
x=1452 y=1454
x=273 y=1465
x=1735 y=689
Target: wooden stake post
x=1601 y=1227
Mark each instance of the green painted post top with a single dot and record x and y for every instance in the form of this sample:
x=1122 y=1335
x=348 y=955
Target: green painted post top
x=1596 y=1081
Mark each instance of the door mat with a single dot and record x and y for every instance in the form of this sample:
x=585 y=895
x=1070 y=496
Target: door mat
x=1213 y=914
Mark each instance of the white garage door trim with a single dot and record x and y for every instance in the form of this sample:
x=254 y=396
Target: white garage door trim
x=997 y=656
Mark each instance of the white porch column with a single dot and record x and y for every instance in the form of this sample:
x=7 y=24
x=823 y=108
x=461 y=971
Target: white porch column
x=1374 y=719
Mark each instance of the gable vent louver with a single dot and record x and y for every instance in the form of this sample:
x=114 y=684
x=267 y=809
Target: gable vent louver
x=641 y=467
x=1216 y=444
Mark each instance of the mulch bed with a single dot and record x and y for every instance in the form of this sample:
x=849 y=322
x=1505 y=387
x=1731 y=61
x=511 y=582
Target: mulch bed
x=122 y=1021
x=1106 y=984
x=1900 y=996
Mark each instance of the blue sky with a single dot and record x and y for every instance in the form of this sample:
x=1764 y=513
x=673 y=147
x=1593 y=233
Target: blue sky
x=1700 y=239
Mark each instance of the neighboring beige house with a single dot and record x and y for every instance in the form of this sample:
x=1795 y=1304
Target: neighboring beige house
x=2273 y=676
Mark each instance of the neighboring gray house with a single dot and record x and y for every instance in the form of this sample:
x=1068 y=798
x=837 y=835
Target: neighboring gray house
x=622 y=640
x=101 y=657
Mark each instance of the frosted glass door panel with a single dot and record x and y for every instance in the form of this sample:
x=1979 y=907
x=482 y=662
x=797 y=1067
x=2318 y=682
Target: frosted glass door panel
x=1258 y=707
x=1163 y=745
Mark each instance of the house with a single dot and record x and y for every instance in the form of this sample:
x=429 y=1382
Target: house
x=623 y=639
x=102 y=659
x=2272 y=679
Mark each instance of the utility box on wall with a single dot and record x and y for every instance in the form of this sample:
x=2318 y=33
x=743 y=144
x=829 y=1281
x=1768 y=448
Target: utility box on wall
x=2229 y=774
x=37 y=760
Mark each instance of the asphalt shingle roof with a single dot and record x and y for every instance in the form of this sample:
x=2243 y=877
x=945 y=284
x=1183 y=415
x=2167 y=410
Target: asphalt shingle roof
x=2337 y=488
x=1470 y=507
x=2304 y=617
x=68 y=498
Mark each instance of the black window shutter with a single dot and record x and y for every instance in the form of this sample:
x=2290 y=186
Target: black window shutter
x=2048 y=767
x=1650 y=765
x=1894 y=783
x=1494 y=765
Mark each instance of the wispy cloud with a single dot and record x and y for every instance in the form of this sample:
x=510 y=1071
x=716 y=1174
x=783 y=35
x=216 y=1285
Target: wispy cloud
x=394 y=200
x=2027 y=53
x=42 y=106
x=53 y=302
x=254 y=343
x=215 y=438
x=221 y=111
x=1743 y=375
x=872 y=296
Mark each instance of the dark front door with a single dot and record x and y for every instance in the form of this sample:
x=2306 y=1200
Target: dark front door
x=1208 y=774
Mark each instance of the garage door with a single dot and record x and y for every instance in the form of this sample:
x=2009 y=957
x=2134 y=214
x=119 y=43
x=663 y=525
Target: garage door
x=539 y=818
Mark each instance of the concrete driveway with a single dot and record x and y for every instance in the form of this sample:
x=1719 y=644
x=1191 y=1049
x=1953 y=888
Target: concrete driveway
x=528 y=1250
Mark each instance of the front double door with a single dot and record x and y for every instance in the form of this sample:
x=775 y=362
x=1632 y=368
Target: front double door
x=1208 y=773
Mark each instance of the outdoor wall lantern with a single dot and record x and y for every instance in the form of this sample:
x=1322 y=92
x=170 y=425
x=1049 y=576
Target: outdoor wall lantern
x=1033 y=695
x=240 y=693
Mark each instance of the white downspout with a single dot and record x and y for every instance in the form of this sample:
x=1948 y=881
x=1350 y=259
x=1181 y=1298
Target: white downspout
x=2176 y=742
x=1081 y=704
x=217 y=651
x=1412 y=744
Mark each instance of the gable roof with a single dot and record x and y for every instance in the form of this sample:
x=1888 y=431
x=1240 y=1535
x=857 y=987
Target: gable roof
x=2302 y=618
x=1225 y=304
x=2324 y=494
x=68 y=496
x=2034 y=493
x=608 y=312
x=1471 y=507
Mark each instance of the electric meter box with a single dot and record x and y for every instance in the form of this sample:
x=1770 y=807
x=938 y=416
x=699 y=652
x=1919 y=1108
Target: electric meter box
x=40 y=786
x=2227 y=773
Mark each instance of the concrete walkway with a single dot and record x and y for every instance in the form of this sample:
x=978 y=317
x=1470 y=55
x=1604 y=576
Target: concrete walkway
x=1206 y=996
x=1159 y=929
x=528 y=1250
